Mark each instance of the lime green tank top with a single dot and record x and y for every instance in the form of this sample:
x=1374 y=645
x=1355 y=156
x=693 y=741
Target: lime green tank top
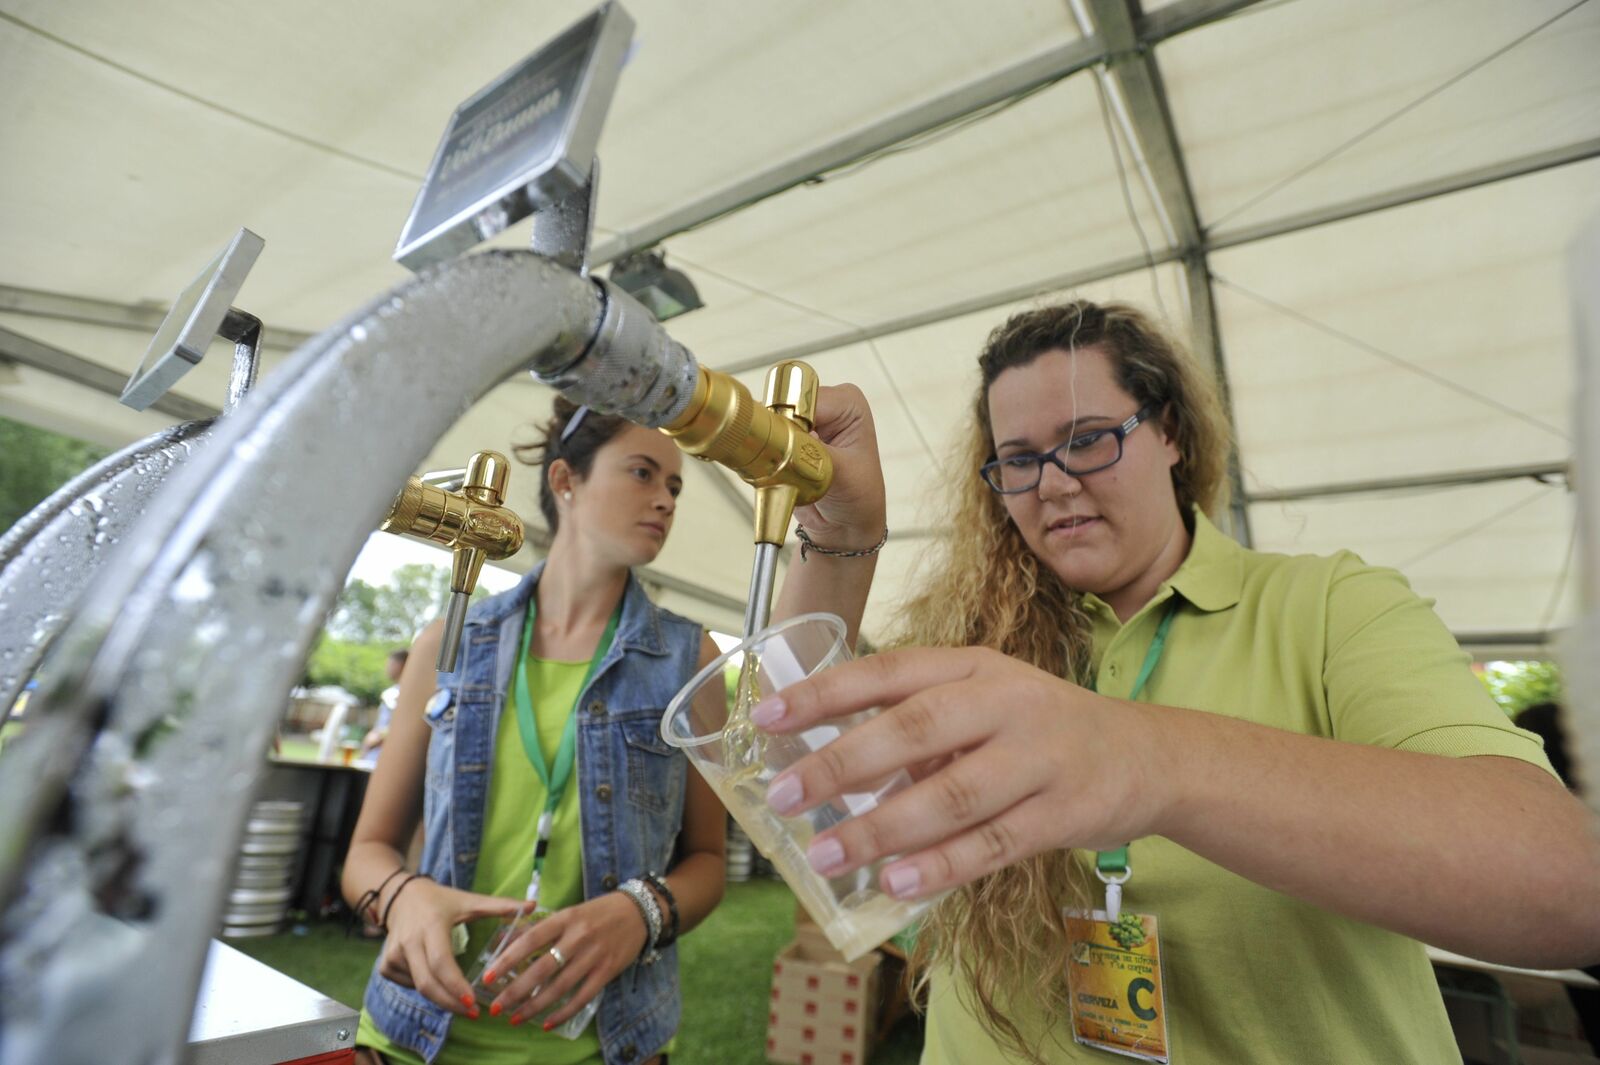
x=505 y=864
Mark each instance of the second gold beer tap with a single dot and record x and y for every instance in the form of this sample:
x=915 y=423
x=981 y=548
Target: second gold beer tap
x=474 y=522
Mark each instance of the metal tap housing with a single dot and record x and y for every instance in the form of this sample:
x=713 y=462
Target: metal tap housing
x=473 y=522
x=768 y=444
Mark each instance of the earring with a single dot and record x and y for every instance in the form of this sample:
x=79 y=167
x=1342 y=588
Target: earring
x=567 y=496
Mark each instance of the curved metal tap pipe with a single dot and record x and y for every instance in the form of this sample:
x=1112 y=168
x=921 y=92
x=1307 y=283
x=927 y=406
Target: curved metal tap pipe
x=124 y=802
x=57 y=549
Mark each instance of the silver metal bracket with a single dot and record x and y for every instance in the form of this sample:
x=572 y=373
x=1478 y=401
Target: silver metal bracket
x=564 y=229
x=202 y=312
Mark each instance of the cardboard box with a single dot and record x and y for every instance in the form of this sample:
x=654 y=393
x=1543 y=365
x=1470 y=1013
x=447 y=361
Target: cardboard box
x=823 y=1009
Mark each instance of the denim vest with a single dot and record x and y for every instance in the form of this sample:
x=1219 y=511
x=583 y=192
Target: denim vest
x=630 y=800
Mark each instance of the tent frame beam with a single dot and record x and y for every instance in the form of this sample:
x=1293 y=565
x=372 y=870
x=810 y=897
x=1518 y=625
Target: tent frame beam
x=136 y=317
x=1462 y=181
x=25 y=351
x=1535 y=471
x=1138 y=81
x=1051 y=65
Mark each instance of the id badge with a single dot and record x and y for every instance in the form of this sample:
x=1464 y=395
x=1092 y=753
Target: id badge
x=1114 y=971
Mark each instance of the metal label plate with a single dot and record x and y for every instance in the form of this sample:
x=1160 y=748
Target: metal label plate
x=523 y=141
x=194 y=321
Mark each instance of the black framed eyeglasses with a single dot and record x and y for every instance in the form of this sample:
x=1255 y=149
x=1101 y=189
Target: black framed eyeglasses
x=1084 y=454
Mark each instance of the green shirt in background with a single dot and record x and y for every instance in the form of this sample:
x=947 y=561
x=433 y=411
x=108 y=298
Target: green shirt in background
x=1321 y=646
x=505 y=864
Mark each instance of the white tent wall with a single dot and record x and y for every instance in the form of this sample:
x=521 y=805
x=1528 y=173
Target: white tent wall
x=1258 y=99
x=139 y=137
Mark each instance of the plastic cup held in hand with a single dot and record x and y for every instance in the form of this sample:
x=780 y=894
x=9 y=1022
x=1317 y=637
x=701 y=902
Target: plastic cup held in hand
x=708 y=720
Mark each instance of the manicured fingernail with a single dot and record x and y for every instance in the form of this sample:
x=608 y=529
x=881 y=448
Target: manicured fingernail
x=903 y=880
x=466 y=1000
x=549 y=1025
x=474 y=1014
x=825 y=855
x=768 y=711
x=494 y=1009
x=515 y=1020
x=488 y=976
x=785 y=793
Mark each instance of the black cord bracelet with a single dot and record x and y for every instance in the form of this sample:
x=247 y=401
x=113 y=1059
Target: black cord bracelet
x=385 y=922
x=368 y=899
x=669 y=935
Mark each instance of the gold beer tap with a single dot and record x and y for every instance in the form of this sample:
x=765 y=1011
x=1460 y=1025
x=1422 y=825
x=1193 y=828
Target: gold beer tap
x=769 y=445
x=474 y=522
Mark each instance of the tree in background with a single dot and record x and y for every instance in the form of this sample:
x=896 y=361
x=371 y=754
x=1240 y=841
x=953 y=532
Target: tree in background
x=392 y=613
x=369 y=621
x=355 y=667
x=1519 y=685
x=37 y=462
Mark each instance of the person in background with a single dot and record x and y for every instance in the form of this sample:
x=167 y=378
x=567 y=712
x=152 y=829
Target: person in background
x=1285 y=761
x=372 y=742
x=539 y=764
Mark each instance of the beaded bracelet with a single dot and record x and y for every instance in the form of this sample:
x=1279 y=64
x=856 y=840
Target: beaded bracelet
x=670 y=936
x=651 y=913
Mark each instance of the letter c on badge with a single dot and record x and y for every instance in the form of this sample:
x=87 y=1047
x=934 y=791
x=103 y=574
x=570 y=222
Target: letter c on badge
x=1144 y=1013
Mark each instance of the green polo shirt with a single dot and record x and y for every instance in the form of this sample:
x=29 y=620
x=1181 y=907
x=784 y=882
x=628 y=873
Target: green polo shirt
x=1324 y=646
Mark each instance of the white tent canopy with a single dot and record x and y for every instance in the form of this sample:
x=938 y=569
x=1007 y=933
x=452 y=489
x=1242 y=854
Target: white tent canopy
x=1360 y=210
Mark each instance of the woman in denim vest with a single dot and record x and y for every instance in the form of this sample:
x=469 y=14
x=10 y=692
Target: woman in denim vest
x=647 y=861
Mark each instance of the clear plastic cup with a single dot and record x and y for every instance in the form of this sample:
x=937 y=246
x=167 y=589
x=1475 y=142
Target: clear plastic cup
x=854 y=913
x=486 y=992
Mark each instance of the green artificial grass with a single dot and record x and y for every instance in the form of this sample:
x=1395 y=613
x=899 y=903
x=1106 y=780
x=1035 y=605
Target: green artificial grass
x=725 y=965
x=295 y=749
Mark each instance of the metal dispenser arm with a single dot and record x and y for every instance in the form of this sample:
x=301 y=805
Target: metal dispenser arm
x=474 y=522
x=125 y=799
x=57 y=550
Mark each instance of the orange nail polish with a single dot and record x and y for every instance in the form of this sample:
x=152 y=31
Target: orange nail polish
x=488 y=976
x=466 y=1000
x=549 y=1025
x=494 y=1010
x=515 y=1020
x=473 y=1015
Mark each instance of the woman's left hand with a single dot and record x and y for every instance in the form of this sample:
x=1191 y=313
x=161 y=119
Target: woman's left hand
x=1008 y=760
x=596 y=939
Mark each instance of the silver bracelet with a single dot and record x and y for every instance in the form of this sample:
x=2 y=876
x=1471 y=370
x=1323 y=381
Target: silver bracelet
x=807 y=544
x=651 y=912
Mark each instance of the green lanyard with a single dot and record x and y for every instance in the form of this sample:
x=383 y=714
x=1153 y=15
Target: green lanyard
x=1115 y=862
x=555 y=776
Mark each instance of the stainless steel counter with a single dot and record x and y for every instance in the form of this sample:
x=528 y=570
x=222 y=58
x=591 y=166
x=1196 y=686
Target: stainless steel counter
x=248 y=1013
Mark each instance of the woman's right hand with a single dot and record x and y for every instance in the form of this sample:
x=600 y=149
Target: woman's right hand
x=853 y=513
x=417 y=951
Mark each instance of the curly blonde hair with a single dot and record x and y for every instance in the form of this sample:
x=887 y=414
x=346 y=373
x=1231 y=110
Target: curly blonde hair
x=983 y=587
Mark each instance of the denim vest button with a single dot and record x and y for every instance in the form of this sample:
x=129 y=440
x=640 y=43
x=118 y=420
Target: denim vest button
x=630 y=1052
x=597 y=708
x=609 y=882
x=603 y=793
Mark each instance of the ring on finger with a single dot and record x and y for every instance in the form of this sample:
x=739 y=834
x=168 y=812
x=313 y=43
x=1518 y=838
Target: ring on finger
x=561 y=961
